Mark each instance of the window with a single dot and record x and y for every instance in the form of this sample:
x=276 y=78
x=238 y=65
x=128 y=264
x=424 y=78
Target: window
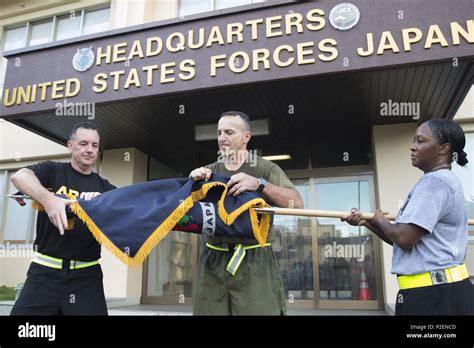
x=346 y=253
x=466 y=175
x=96 y=21
x=3 y=71
x=68 y=26
x=189 y=7
x=41 y=32
x=3 y=192
x=16 y=222
x=170 y=268
x=65 y=26
x=15 y=38
x=220 y=4
x=293 y=249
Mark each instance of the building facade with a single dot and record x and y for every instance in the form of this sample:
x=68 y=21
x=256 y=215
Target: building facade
x=334 y=90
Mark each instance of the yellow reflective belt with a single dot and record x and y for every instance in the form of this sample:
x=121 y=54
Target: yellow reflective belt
x=48 y=261
x=238 y=256
x=54 y=262
x=236 y=259
x=49 y=257
x=448 y=275
x=79 y=264
x=216 y=247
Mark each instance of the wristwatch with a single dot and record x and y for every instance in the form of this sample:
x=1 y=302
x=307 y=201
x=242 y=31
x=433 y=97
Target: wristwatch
x=261 y=184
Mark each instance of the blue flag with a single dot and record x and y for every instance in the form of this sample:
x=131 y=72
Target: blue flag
x=130 y=221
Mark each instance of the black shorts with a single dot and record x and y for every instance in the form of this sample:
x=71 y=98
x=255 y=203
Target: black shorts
x=444 y=299
x=50 y=291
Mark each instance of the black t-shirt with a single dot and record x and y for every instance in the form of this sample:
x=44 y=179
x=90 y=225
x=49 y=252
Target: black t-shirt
x=78 y=243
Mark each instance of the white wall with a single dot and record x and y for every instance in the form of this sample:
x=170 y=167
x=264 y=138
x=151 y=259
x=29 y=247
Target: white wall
x=466 y=110
x=394 y=177
x=18 y=144
x=122 y=167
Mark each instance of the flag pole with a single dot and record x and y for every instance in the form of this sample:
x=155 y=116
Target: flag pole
x=323 y=213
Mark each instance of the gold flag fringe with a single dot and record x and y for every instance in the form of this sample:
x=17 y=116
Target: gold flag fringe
x=259 y=228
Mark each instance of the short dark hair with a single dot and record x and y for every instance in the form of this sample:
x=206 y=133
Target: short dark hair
x=85 y=125
x=447 y=131
x=242 y=115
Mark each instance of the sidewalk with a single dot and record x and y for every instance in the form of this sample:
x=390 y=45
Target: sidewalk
x=6 y=307
x=187 y=310
x=175 y=310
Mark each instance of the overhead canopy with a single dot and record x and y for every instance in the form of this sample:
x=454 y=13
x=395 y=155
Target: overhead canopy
x=322 y=88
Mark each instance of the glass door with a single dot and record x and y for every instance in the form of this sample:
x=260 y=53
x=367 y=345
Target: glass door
x=169 y=270
x=294 y=250
x=324 y=262
x=347 y=256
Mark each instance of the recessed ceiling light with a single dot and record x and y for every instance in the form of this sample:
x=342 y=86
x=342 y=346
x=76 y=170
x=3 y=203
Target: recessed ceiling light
x=277 y=157
x=209 y=131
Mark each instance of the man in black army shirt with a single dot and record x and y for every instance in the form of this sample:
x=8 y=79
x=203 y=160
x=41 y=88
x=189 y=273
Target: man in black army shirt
x=65 y=278
x=225 y=283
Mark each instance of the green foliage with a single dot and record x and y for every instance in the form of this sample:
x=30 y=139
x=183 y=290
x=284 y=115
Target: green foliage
x=7 y=293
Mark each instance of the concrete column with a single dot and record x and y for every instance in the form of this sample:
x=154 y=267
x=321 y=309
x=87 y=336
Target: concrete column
x=163 y=9
x=124 y=13
x=118 y=14
x=122 y=167
x=466 y=110
x=394 y=177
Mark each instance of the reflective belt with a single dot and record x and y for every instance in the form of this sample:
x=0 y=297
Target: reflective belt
x=238 y=256
x=53 y=262
x=443 y=276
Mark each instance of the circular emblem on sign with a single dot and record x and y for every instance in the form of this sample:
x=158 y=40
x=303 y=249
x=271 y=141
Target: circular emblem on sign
x=83 y=59
x=344 y=16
